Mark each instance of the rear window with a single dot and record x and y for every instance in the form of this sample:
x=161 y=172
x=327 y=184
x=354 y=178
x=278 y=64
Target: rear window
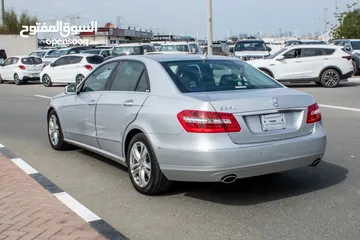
x=38 y=54
x=176 y=47
x=217 y=75
x=95 y=59
x=31 y=60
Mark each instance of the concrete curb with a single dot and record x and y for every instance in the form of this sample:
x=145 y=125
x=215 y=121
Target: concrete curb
x=98 y=224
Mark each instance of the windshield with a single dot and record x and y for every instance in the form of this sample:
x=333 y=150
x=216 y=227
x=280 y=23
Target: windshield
x=92 y=51
x=38 y=54
x=250 y=46
x=135 y=50
x=174 y=48
x=31 y=60
x=217 y=75
x=57 y=53
x=274 y=55
x=355 y=45
x=95 y=59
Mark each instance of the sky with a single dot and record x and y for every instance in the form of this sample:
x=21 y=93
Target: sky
x=187 y=17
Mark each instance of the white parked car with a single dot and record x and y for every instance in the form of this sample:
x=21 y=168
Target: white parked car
x=323 y=64
x=189 y=47
x=42 y=53
x=69 y=69
x=21 y=69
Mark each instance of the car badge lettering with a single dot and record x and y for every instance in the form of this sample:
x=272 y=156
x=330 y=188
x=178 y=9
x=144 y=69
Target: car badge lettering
x=228 y=108
x=275 y=102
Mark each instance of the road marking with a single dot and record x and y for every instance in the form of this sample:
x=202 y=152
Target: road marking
x=42 y=96
x=341 y=108
x=77 y=207
x=24 y=166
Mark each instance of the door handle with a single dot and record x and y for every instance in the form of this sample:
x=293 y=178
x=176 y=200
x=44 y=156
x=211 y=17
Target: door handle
x=298 y=61
x=326 y=58
x=91 y=103
x=128 y=103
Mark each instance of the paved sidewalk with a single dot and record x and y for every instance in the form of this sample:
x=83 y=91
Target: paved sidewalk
x=28 y=211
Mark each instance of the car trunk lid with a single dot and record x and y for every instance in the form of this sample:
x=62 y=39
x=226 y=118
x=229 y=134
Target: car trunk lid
x=265 y=114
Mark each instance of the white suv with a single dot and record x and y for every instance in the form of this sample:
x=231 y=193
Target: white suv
x=323 y=64
x=187 y=47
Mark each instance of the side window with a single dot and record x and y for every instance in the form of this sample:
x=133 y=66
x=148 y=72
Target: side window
x=295 y=53
x=143 y=85
x=194 y=46
x=62 y=61
x=105 y=53
x=127 y=76
x=312 y=52
x=14 y=60
x=8 y=62
x=97 y=80
x=329 y=51
x=75 y=59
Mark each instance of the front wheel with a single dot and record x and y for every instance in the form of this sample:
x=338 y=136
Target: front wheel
x=144 y=170
x=330 y=78
x=46 y=80
x=356 y=69
x=56 y=137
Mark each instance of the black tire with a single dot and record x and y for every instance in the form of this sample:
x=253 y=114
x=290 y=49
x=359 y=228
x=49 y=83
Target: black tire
x=356 y=69
x=319 y=84
x=46 y=80
x=330 y=78
x=79 y=78
x=17 y=80
x=157 y=182
x=61 y=145
x=1 y=80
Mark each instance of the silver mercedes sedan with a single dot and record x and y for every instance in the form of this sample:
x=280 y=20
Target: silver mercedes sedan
x=188 y=118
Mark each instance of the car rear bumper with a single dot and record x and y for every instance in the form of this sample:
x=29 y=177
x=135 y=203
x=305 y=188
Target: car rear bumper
x=347 y=75
x=244 y=160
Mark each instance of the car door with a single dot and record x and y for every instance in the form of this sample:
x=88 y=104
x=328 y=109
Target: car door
x=119 y=106
x=77 y=115
x=57 y=69
x=289 y=68
x=71 y=70
x=5 y=69
x=313 y=61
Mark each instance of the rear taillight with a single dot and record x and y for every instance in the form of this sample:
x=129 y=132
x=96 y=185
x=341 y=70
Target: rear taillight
x=88 y=67
x=208 y=122
x=22 y=67
x=347 y=57
x=314 y=114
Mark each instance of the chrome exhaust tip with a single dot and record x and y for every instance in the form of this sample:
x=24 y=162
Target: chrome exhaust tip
x=229 y=179
x=315 y=163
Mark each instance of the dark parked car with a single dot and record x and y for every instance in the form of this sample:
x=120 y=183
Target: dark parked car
x=351 y=46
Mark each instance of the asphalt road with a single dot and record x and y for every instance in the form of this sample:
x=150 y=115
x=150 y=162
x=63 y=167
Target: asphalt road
x=310 y=203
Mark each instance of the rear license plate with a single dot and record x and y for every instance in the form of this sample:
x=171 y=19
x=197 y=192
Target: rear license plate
x=35 y=75
x=271 y=122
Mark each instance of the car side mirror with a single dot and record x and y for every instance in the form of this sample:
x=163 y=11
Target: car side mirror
x=71 y=88
x=231 y=50
x=269 y=49
x=280 y=58
x=348 y=49
x=52 y=65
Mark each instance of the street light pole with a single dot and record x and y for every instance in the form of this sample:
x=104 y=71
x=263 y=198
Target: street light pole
x=210 y=28
x=3 y=10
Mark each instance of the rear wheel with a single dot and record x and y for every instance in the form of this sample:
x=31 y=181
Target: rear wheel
x=1 y=80
x=330 y=78
x=144 y=170
x=79 y=78
x=56 y=137
x=17 y=79
x=46 y=80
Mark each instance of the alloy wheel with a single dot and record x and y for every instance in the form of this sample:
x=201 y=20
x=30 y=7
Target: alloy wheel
x=54 y=130
x=331 y=78
x=140 y=164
